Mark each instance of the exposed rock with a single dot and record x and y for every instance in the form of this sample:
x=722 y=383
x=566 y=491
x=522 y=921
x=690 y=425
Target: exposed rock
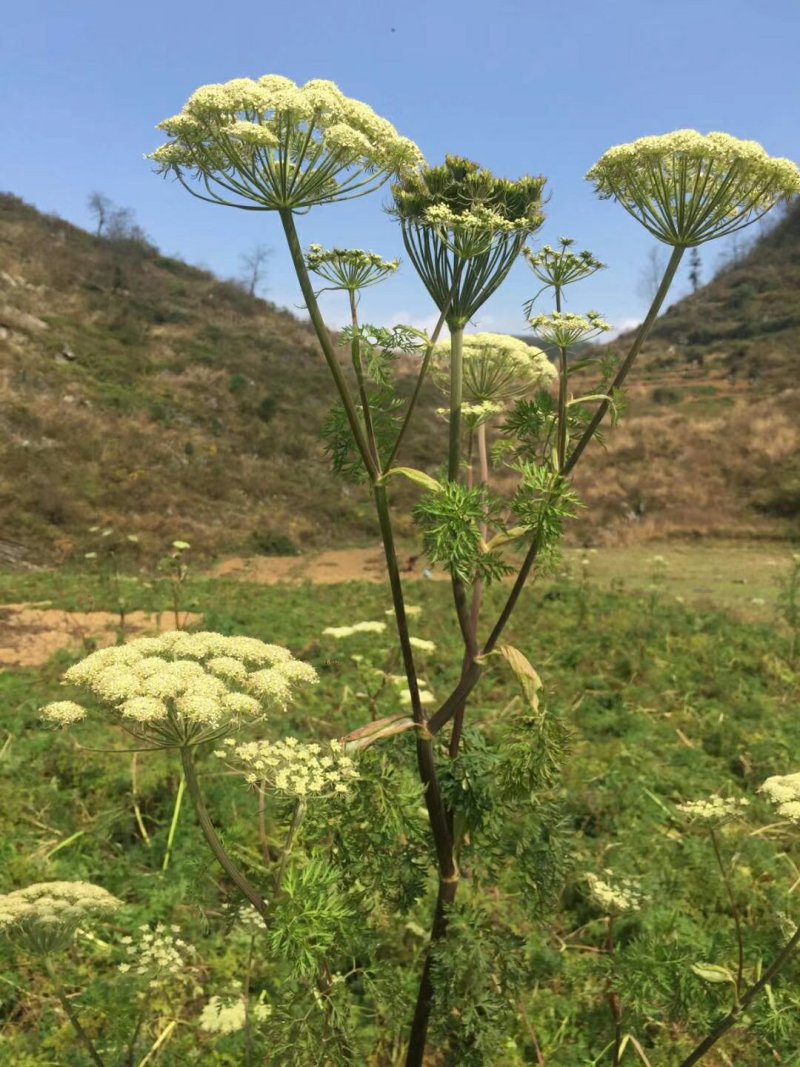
x=21 y=320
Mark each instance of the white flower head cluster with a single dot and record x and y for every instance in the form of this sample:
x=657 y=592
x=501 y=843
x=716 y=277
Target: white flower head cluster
x=227 y=1015
x=180 y=688
x=475 y=415
x=294 y=768
x=496 y=367
x=156 y=954
x=421 y=644
x=565 y=329
x=615 y=897
x=687 y=188
x=425 y=695
x=275 y=145
x=349 y=268
x=44 y=917
x=411 y=610
x=713 y=809
x=356 y=628
x=784 y=790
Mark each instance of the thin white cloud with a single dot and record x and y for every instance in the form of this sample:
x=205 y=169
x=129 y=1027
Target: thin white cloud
x=623 y=325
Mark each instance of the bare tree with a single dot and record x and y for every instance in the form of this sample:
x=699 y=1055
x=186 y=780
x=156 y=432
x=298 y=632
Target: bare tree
x=101 y=207
x=254 y=263
x=652 y=274
x=694 y=270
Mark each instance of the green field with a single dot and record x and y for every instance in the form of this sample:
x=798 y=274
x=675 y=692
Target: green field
x=676 y=684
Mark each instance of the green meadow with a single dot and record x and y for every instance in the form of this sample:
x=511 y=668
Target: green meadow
x=672 y=681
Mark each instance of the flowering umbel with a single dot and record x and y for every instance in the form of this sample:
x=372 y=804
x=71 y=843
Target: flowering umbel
x=43 y=917
x=349 y=268
x=686 y=188
x=463 y=228
x=496 y=367
x=269 y=144
x=180 y=689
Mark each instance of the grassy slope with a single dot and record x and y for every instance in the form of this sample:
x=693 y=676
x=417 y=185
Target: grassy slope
x=192 y=410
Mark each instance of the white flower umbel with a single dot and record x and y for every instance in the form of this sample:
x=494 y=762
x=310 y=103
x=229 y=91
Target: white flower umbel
x=158 y=955
x=686 y=188
x=356 y=628
x=227 y=1015
x=349 y=268
x=421 y=644
x=270 y=144
x=713 y=809
x=43 y=917
x=180 y=689
x=615 y=897
x=496 y=367
x=294 y=768
x=564 y=329
x=784 y=790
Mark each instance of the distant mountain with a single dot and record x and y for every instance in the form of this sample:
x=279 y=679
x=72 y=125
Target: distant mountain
x=139 y=393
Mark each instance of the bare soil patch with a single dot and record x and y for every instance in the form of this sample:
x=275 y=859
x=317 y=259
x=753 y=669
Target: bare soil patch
x=321 y=568
x=31 y=633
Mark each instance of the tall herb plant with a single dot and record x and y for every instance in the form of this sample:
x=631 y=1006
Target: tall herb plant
x=495 y=509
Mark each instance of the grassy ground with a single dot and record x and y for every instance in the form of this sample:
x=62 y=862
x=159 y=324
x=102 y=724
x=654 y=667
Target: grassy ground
x=666 y=700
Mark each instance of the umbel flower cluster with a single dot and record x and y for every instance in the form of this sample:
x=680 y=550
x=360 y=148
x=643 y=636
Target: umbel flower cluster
x=463 y=228
x=565 y=329
x=349 y=268
x=271 y=144
x=496 y=367
x=686 y=188
x=713 y=809
x=295 y=768
x=784 y=790
x=227 y=1015
x=159 y=954
x=43 y=917
x=614 y=898
x=180 y=689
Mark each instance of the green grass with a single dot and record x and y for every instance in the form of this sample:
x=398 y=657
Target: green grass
x=667 y=701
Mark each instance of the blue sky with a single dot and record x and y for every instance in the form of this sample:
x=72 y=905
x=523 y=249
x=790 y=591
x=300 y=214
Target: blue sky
x=521 y=87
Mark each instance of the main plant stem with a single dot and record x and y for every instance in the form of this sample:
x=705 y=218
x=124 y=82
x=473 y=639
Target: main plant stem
x=734 y=911
x=287 y=218
x=94 y=1055
x=241 y=882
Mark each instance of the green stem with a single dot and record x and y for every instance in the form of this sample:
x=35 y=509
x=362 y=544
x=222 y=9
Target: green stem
x=70 y=1013
x=744 y=1002
x=242 y=883
x=734 y=911
x=294 y=826
x=613 y=997
x=287 y=218
x=456 y=391
x=563 y=376
x=176 y=814
x=426 y=359
x=355 y=355
x=248 y=1026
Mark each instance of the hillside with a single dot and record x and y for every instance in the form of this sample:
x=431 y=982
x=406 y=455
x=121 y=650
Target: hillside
x=710 y=441
x=140 y=393
x=146 y=395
